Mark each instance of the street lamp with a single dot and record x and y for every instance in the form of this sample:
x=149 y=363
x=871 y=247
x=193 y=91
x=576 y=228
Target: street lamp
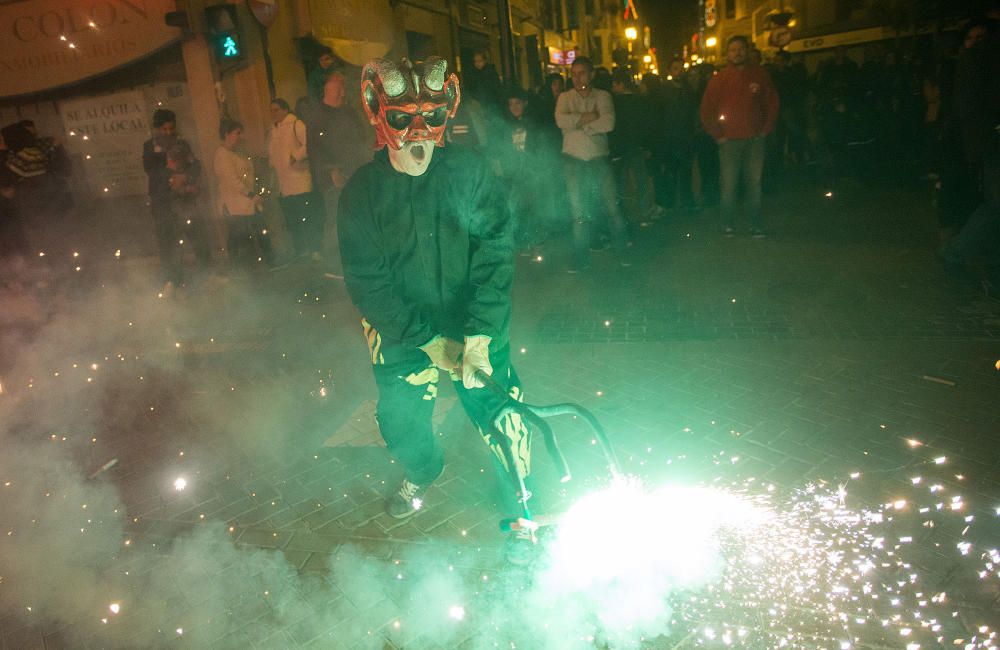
x=711 y=41
x=631 y=33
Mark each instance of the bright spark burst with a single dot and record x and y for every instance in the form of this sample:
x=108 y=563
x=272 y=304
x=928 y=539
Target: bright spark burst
x=180 y=483
x=743 y=565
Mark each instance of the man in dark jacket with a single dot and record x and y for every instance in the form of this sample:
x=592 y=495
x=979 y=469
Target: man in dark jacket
x=165 y=191
x=427 y=253
x=338 y=144
x=977 y=107
x=630 y=144
x=13 y=241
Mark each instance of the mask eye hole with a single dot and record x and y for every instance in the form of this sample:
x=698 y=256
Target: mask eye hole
x=398 y=120
x=436 y=117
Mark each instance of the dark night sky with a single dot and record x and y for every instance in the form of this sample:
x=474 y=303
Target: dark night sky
x=671 y=22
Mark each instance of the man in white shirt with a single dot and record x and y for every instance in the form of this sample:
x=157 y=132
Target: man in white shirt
x=586 y=115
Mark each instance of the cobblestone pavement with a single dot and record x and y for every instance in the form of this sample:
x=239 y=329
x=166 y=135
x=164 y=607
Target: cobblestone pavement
x=834 y=354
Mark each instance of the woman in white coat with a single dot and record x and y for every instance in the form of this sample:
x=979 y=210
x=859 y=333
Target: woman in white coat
x=247 y=240
x=302 y=207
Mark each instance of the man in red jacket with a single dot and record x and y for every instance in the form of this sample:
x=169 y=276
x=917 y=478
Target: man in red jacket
x=739 y=109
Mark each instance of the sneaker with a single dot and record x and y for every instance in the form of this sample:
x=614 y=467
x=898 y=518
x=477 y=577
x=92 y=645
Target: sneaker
x=407 y=500
x=757 y=233
x=728 y=231
x=520 y=548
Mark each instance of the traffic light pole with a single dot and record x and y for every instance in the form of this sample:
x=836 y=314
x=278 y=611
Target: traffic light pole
x=268 y=68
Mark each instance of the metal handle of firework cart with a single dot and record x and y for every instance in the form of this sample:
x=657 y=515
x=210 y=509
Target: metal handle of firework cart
x=535 y=415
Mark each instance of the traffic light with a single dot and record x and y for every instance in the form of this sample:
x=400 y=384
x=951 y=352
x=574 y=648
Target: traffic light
x=223 y=34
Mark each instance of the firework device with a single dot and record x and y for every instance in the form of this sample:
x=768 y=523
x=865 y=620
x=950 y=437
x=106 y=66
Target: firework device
x=536 y=416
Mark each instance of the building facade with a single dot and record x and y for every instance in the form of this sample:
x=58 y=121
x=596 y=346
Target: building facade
x=610 y=32
x=813 y=27
x=92 y=72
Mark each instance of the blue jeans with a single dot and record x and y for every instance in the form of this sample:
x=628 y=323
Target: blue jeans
x=591 y=188
x=741 y=159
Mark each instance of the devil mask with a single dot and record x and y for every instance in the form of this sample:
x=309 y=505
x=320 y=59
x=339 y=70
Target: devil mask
x=409 y=102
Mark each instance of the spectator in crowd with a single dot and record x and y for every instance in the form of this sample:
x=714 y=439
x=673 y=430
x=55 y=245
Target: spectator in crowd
x=791 y=81
x=838 y=106
x=629 y=145
x=186 y=195
x=482 y=82
x=325 y=65
x=679 y=127
x=543 y=104
x=247 y=239
x=793 y=115
x=548 y=151
x=480 y=113
x=41 y=166
x=13 y=239
x=958 y=183
x=170 y=167
x=522 y=173
x=338 y=144
x=977 y=107
x=739 y=109
x=602 y=79
x=706 y=149
x=301 y=206
x=586 y=115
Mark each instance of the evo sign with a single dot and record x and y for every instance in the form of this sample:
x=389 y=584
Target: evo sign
x=50 y=43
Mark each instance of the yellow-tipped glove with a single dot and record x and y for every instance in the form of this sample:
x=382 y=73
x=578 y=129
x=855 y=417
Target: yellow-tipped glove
x=475 y=357
x=443 y=352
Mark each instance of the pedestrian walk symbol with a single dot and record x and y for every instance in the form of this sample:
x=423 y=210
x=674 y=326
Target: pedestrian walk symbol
x=229 y=47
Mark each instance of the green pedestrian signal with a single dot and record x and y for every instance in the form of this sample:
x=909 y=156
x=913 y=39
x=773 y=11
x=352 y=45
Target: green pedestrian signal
x=229 y=47
x=224 y=34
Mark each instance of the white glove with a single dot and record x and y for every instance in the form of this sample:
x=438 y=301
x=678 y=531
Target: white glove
x=475 y=357
x=443 y=352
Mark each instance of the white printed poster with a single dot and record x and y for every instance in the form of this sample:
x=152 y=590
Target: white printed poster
x=107 y=133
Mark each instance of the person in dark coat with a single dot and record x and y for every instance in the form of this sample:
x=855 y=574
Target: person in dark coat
x=519 y=151
x=338 y=144
x=13 y=239
x=174 y=177
x=977 y=108
x=631 y=143
x=428 y=261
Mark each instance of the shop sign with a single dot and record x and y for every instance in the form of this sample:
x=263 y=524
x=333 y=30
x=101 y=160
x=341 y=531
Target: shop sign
x=562 y=57
x=357 y=30
x=50 y=43
x=107 y=133
x=711 y=13
x=841 y=38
